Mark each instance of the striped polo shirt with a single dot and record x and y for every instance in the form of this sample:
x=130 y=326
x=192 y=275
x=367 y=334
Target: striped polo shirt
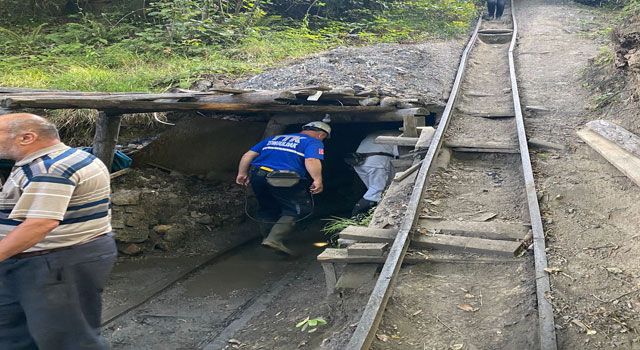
x=59 y=183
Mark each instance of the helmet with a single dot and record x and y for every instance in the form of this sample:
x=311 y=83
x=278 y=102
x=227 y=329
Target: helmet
x=318 y=126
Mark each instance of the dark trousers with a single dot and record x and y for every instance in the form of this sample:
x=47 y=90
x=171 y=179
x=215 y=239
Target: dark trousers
x=495 y=7
x=274 y=202
x=53 y=301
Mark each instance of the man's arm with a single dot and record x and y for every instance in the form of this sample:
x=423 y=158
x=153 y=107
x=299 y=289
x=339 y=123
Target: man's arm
x=25 y=236
x=243 y=168
x=314 y=167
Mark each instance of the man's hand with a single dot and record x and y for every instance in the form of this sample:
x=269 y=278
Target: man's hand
x=243 y=168
x=242 y=179
x=316 y=187
x=25 y=236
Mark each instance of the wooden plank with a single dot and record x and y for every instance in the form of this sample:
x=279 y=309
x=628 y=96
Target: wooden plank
x=616 y=134
x=368 y=249
x=120 y=173
x=403 y=175
x=490 y=230
x=329 y=276
x=106 y=137
x=368 y=234
x=465 y=244
x=482 y=147
x=546 y=324
x=396 y=140
x=151 y=106
x=492 y=115
x=355 y=275
x=336 y=255
x=426 y=135
x=624 y=161
x=409 y=125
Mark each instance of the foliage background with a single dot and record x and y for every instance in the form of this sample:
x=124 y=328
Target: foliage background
x=141 y=45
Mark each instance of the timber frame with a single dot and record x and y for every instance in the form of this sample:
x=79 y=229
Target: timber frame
x=279 y=108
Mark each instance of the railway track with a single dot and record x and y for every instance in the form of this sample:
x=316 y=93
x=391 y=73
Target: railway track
x=487 y=192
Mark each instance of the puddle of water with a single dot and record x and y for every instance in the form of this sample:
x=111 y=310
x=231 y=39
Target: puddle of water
x=253 y=266
x=247 y=269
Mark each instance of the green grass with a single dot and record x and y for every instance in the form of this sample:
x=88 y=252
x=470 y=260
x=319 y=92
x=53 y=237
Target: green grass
x=91 y=54
x=107 y=70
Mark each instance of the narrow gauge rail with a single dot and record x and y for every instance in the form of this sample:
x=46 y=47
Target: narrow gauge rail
x=513 y=143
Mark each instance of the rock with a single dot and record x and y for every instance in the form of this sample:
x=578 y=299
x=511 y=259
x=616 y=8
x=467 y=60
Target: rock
x=131 y=249
x=117 y=224
x=205 y=219
x=162 y=229
x=175 y=233
x=125 y=197
x=132 y=235
x=135 y=221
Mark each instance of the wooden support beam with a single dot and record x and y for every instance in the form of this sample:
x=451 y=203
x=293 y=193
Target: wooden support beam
x=356 y=275
x=152 y=106
x=368 y=249
x=410 y=124
x=256 y=98
x=329 y=276
x=106 y=137
x=335 y=255
x=490 y=230
x=426 y=135
x=403 y=175
x=380 y=235
x=397 y=140
x=493 y=115
x=466 y=244
x=482 y=147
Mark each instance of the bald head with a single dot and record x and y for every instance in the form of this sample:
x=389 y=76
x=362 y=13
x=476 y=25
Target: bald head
x=17 y=123
x=22 y=134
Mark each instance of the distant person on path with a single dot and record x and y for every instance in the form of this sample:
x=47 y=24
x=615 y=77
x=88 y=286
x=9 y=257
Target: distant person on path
x=56 y=247
x=297 y=155
x=374 y=169
x=496 y=8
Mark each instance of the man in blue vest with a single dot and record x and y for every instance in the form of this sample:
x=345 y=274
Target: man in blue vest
x=294 y=156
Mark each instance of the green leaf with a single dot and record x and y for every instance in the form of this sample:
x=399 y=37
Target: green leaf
x=303 y=322
x=313 y=330
x=313 y=323
x=321 y=321
x=306 y=325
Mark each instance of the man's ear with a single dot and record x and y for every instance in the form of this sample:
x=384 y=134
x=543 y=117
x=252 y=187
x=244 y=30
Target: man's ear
x=28 y=138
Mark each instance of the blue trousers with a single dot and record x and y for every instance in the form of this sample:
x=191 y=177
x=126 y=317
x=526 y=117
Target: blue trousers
x=53 y=301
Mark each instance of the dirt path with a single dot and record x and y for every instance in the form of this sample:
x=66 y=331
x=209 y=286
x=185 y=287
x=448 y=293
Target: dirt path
x=590 y=209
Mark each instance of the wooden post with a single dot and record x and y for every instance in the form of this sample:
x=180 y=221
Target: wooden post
x=106 y=137
x=330 y=277
x=410 y=126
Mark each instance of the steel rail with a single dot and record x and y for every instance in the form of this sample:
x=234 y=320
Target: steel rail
x=365 y=331
x=546 y=326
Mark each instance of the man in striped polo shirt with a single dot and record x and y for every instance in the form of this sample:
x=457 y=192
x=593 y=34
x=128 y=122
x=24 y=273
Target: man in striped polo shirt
x=56 y=248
